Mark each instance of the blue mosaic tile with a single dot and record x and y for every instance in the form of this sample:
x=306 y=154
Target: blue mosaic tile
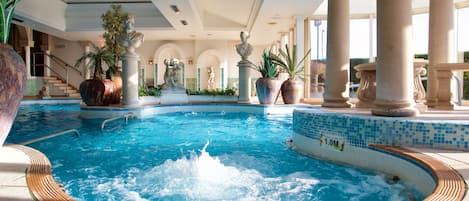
x=361 y=130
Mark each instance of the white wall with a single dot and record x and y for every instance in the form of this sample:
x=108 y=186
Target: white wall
x=69 y=51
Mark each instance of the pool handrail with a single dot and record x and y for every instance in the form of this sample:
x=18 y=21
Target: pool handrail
x=51 y=136
x=126 y=117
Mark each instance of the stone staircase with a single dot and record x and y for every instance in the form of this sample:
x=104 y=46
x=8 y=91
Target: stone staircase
x=58 y=85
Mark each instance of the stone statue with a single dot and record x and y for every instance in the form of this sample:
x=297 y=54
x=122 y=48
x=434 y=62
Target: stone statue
x=130 y=39
x=211 y=77
x=244 y=49
x=172 y=74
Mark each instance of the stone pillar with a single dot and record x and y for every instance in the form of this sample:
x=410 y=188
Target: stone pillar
x=394 y=70
x=440 y=44
x=130 y=79
x=307 y=62
x=244 y=82
x=27 y=60
x=47 y=65
x=87 y=60
x=338 y=62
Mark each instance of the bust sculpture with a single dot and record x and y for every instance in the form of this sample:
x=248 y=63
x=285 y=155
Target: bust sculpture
x=172 y=74
x=244 y=49
x=130 y=39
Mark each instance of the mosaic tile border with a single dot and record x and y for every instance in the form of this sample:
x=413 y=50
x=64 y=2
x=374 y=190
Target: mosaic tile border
x=362 y=130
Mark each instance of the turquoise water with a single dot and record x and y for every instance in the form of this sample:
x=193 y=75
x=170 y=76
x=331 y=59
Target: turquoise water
x=192 y=156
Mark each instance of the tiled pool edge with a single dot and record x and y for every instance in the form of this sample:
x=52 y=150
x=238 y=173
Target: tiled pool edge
x=450 y=184
x=361 y=130
x=41 y=184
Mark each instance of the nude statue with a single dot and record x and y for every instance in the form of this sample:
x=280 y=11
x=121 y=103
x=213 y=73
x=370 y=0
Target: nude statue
x=211 y=77
x=172 y=74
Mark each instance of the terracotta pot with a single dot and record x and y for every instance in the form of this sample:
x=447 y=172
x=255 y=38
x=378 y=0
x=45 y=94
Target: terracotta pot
x=292 y=91
x=92 y=92
x=268 y=90
x=12 y=86
x=109 y=92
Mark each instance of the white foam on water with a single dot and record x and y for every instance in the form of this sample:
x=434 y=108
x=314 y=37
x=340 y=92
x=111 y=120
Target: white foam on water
x=203 y=177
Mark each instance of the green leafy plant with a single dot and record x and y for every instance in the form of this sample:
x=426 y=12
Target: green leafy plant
x=149 y=91
x=7 y=7
x=288 y=61
x=229 y=91
x=95 y=59
x=267 y=67
x=113 y=26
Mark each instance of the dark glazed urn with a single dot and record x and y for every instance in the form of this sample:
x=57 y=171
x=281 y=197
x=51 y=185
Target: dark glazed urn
x=92 y=92
x=268 y=90
x=291 y=91
x=12 y=86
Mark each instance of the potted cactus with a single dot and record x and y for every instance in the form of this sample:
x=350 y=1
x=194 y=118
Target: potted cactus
x=292 y=88
x=268 y=86
x=12 y=72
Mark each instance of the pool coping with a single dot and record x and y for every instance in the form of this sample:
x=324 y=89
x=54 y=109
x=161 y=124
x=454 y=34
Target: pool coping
x=41 y=184
x=450 y=184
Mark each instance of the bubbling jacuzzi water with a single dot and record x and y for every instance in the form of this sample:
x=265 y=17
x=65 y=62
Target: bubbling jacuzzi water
x=199 y=156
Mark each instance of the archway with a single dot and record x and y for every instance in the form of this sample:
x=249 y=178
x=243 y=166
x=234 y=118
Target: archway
x=165 y=51
x=211 y=58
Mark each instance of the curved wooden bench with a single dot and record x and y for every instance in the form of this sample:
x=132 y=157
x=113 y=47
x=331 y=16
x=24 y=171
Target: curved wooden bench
x=450 y=184
x=40 y=182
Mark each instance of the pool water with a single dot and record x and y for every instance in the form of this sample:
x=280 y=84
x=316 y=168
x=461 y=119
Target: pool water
x=192 y=156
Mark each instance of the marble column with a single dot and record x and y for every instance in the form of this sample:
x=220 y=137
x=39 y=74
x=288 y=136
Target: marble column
x=27 y=60
x=394 y=70
x=87 y=60
x=307 y=62
x=47 y=65
x=244 y=82
x=130 y=79
x=440 y=44
x=336 y=93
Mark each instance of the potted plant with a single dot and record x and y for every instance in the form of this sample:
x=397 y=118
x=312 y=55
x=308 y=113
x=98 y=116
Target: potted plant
x=113 y=26
x=292 y=88
x=96 y=91
x=12 y=72
x=268 y=86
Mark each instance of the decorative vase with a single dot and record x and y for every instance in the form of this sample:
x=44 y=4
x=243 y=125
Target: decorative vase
x=291 y=91
x=268 y=90
x=12 y=86
x=92 y=92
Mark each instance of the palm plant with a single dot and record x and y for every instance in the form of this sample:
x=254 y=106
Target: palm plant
x=266 y=67
x=7 y=7
x=95 y=59
x=288 y=61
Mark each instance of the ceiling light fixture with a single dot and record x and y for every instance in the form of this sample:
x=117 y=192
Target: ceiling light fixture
x=184 y=22
x=175 y=9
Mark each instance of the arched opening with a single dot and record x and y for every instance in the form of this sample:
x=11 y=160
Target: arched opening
x=211 y=60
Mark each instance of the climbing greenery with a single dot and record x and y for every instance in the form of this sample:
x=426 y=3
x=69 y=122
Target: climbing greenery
x=7 y=7
x=113 y=21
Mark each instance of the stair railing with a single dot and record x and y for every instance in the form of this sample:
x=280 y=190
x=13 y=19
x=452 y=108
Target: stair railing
x=64 y=65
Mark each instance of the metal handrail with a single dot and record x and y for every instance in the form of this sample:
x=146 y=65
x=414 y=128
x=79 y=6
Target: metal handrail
x=51 y=136
x=126 y=117
x=59 y=60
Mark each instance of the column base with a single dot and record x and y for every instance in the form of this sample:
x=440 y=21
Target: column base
x=444 y=106
x=245 y=101
x=336 y=103
x=394 y=108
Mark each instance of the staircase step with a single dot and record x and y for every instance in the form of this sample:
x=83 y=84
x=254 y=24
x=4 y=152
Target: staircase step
x=54 y=81
x=49 y=78
x=74 y=95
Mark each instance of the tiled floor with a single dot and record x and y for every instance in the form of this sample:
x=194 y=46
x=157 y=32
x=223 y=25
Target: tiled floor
x=13 y=165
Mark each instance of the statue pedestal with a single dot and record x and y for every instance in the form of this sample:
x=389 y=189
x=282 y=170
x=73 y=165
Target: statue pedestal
x=174 y=96
x=244 y=82
x=130 y=79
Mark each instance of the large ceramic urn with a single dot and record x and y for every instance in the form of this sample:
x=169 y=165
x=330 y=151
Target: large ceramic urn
x=291 y=91
x=12 y=86
x=267 y=90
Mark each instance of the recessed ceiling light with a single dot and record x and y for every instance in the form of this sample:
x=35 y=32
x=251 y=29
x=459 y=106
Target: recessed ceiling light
x=272 y=23
x=209 y=34
x=192 y=35
x=184 y=22
x=175 y=9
